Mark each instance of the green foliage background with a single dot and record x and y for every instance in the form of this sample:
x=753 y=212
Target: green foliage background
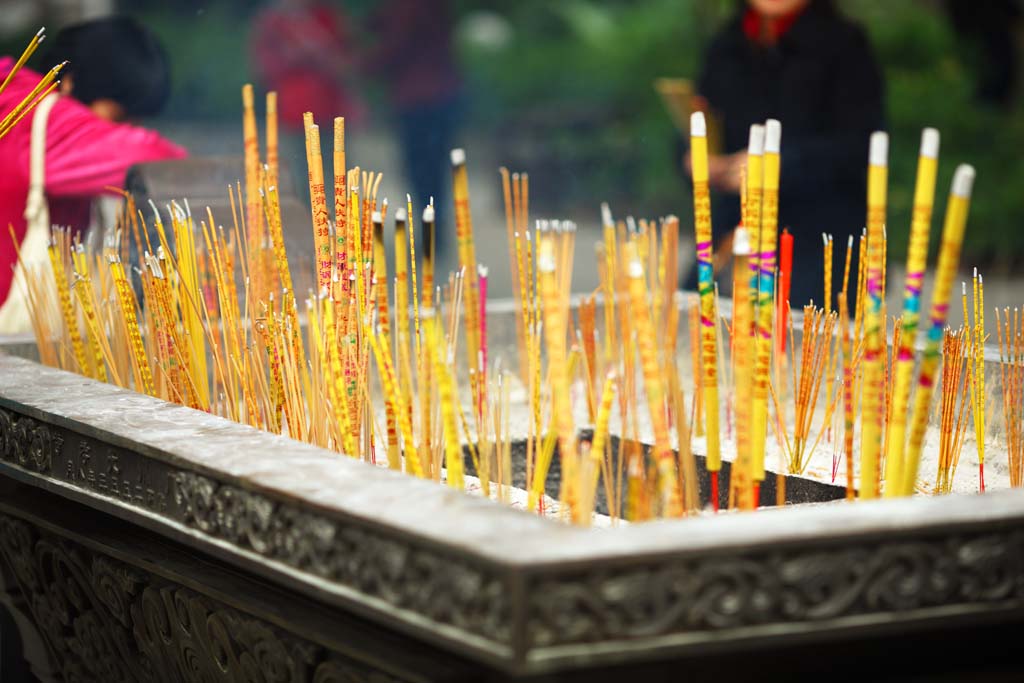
x=605 y=55
x=569 y=98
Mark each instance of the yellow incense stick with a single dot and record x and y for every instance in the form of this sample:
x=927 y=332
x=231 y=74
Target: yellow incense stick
x=443 y=371
x=668 y=481
x=766 y=287
x=70 y=320
x=273 y=171
x=949 y=258
x=561 y=406
x=874 y=349
x=467 y=259
x=318 y=202
x=598 y=445
x=743 y=343
x=708 y=314
x=126 y=302
x=27 y=53
x=253 y=213
x=917 y=261
x=341 y=229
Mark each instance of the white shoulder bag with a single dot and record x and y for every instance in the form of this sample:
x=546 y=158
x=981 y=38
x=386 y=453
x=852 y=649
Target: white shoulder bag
x=14 y=314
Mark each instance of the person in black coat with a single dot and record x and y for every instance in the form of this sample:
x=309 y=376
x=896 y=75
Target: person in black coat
x=802 y=62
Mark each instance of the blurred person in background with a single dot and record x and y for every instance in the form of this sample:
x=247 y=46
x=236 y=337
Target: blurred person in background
x=77 y=143
x=990 y=30
x=303 y=49
x=414 y=56
x=803 y=63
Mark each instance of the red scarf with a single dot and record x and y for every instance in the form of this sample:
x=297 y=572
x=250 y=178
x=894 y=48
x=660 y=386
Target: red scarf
x=765 y=31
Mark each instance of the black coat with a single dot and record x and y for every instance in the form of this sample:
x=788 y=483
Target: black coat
x=822 y=82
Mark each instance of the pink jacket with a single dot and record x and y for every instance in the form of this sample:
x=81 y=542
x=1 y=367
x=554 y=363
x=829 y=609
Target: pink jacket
x=84 y=154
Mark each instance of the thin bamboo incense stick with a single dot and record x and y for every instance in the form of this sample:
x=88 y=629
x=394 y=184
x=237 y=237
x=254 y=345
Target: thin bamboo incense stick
x=467 y=259
x=45 y=85
x=253 y=212
x=318 y=203
x=511 y=228
x=27 y=53
x=976 y=370
x=341 y=229
x=273 y=171
x=56 y=251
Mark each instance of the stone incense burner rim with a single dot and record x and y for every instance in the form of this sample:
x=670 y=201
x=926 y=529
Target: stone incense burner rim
x=319 y=480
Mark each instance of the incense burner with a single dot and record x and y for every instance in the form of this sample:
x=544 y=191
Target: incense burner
x=142 y=540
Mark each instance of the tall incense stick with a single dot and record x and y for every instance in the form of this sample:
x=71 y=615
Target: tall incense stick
x=917 y=260
x=949 y=259
x=766 y=291
x=706 y=288
x=874 y=348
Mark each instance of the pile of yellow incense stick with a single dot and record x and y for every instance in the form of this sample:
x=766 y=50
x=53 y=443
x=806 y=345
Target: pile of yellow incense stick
x=370 y=363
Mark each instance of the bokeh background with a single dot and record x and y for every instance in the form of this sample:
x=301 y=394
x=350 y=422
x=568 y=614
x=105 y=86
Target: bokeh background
x=564 y=90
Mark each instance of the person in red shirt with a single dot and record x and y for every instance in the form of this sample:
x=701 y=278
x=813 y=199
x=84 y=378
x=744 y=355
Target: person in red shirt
x=117 y=71
x=415 y=57
x=303 y=50
x=807 y=65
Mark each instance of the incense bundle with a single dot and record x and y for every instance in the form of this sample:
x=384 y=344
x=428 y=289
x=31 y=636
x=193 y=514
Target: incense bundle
x=195 y=338
x=47 y=84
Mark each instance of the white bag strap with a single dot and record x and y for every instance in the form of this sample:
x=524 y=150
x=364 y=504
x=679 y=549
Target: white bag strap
x=14 y=310
x=36 y=209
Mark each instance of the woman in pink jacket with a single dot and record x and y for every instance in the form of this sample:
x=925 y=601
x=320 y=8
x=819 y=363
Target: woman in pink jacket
x=116 y=72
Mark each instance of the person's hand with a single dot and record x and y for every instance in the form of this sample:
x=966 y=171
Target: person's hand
x=725 y=171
